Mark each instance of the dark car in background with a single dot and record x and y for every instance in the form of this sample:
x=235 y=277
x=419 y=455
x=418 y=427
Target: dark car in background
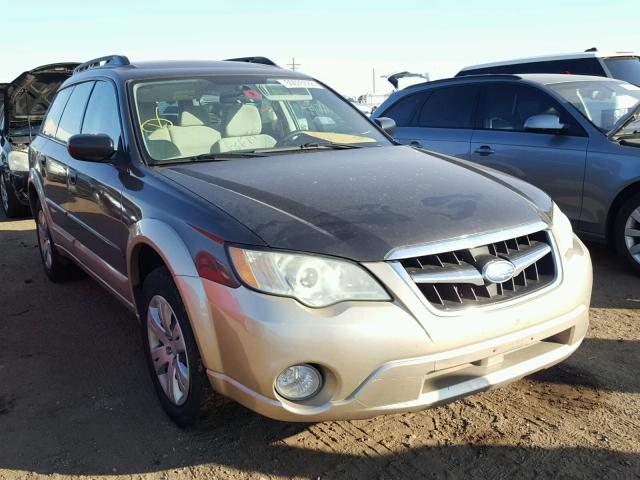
x=621 y=65
x=575 y=137
x=24 y=102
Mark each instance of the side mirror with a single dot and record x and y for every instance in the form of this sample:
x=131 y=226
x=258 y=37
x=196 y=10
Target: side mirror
x=91 y=148
x=546 y=123
x=387 y=124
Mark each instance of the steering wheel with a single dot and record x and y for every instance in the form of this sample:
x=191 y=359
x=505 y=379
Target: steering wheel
x=153 y=124
x=287 y=140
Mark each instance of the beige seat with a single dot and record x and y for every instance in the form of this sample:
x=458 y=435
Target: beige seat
x=191 y=136
x=242 y=130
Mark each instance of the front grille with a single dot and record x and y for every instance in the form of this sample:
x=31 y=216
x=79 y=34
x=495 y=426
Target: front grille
x=454 y=280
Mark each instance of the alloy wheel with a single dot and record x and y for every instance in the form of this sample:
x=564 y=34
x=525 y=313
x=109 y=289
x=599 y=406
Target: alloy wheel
x=4 y=194
x=44 y=240
x=168 y=350
x=632 y=234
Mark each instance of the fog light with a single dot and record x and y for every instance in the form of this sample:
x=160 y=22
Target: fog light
x=299 y=382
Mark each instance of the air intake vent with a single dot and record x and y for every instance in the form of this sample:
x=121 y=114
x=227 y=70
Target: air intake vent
x=459 y=279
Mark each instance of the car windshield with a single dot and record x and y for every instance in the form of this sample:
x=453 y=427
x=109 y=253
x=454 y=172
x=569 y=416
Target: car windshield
x=605 y=103
x=196 y=118
x=624 y=68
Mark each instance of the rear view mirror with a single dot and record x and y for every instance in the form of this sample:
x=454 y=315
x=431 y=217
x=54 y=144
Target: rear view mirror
x=91 y=148
x=546 y=123
x=387 y=124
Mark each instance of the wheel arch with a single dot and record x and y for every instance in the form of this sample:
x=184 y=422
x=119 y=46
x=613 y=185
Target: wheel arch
x=154 y=243
x=622 y=196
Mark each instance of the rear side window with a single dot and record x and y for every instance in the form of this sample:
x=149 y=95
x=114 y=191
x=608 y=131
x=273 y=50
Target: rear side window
x=50 y=124
x=508 y=107
x=102 y=113
x=624 y=68
x=450 y=107
x=404 y=109
x=71 y=119
x=576 y=66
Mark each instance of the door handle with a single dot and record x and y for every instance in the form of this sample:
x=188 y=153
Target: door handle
x=416 y=144
x=73 y=177
x=485 y=150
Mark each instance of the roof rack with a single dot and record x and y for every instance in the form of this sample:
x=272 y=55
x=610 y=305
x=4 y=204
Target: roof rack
x=107 y=61
x=497 y=76
x=260 y=60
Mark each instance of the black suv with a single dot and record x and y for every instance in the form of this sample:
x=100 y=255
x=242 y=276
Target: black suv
x=23 y=103
x=276 y=243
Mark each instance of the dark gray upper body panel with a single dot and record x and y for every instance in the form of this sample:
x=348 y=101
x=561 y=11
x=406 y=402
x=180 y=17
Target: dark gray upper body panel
x=360 y=204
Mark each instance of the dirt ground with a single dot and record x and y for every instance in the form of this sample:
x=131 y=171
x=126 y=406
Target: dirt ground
x=76 y=401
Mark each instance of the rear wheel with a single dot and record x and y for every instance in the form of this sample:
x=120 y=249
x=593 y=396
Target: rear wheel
x=10 y=203
x=627 y=232
x=170 y=348
x=57 y=267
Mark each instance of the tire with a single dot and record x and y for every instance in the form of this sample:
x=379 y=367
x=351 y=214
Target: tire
x=626 y=232
x=171 y=351
x=10 y=204
x=57 y=267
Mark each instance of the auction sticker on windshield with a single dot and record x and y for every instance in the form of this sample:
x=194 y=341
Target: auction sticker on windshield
x=298 y=83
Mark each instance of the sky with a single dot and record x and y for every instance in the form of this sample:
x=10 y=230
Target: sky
x=341 y=43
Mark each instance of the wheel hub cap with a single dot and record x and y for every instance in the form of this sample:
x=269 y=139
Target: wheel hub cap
x=632 y=234
x=44 y=241
x=168 y=350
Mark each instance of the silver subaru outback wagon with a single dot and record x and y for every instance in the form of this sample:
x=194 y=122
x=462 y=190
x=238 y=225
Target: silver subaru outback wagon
x=276 y=244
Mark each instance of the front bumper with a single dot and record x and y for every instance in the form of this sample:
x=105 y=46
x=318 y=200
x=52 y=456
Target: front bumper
x=384 y=357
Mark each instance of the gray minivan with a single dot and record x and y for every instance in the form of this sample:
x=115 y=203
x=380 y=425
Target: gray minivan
x=576 y=137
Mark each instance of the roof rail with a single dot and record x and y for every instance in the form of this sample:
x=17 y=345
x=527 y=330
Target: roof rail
x=107 y=61
x=260 y=60
x=458 y=77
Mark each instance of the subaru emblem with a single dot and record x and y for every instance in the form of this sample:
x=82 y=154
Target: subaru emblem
x=498 y=271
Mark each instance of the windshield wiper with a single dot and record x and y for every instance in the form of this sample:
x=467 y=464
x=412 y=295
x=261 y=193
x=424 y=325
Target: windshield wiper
x=221 y=157
x=631 y=117
x=208 y=157
x=334 y=145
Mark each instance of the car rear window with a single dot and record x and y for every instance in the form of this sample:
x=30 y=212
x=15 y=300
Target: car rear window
x=576 y=66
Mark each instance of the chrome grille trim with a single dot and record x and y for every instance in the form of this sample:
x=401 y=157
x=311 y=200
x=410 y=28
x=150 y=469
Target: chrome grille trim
x=450 y=281
x=464 y=242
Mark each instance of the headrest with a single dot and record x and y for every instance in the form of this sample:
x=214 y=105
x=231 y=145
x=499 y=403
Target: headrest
x=192 y=116
x=243 y=120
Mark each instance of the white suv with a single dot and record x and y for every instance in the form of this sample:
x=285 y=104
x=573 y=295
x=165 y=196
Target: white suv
x=621 y=65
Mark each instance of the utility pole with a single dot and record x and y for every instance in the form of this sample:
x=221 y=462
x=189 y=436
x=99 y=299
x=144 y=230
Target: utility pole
x=374 y=81
x=293 y=64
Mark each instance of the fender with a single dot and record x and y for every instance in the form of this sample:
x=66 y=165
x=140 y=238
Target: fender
x=169 y=246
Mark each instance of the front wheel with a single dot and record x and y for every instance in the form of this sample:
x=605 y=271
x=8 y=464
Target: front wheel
x=170 y=349
x=627 y=232
x=10 y=203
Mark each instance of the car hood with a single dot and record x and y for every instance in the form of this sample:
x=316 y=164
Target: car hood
x=27 y=98
x=363 y=203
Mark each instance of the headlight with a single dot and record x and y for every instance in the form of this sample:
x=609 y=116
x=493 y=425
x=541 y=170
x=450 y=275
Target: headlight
x=312 y=280
x=18 y=161
x=562 y=230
